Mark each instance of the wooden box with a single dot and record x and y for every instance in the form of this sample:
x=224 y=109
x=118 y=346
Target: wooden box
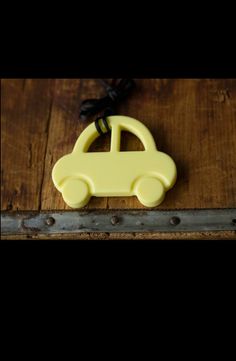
x=193 y=120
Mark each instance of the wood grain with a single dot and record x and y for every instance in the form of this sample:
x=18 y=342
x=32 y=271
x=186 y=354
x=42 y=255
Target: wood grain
x=25 y=118
x=102 y=236
x=192 y=120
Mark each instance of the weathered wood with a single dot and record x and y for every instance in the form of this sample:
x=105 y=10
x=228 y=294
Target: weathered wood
x=192 y=120
x=25 y=118
x=101 y=236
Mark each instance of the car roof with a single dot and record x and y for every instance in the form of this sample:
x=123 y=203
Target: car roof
x=116 y=124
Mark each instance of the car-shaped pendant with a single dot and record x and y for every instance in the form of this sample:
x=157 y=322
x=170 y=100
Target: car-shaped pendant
x=148 y=174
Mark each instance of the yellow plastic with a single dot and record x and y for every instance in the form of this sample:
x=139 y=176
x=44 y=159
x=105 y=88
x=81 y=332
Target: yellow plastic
x=147 y=174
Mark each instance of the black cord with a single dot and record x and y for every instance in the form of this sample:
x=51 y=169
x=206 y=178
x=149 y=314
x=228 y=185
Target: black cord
x=115 y=93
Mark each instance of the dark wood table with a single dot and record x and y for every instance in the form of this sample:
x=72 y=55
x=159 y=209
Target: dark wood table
x=193 y=120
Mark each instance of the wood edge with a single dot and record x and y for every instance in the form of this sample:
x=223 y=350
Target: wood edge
x=213 y=235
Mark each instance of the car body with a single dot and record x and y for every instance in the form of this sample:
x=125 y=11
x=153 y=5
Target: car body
x=114 y=173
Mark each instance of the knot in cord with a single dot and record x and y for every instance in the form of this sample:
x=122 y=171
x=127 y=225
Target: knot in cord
x=114 y=95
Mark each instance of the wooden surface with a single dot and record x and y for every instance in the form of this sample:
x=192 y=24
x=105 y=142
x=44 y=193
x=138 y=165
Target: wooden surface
x=104 y=236
x=192 y=120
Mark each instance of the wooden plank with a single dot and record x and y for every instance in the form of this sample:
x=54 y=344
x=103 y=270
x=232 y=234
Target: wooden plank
x=192 y=120
x=102 y=236
x=25 y=115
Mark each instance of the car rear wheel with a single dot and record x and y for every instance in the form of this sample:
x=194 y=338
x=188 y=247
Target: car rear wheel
x=150 y=191
x=76 y=193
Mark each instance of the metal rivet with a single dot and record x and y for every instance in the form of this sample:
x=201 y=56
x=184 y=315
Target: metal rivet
x=114 y=220
x=174 y=221
x=234 y=221
x=49 y=221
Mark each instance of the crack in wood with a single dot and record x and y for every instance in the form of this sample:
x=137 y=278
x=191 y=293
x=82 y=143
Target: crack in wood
x=46 y=148
x=30 y=155
x=24 y=84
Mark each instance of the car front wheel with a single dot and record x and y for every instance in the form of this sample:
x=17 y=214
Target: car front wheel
x=76 y=193
x=150 y=191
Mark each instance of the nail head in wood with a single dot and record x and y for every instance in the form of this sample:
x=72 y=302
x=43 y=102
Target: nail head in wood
x=50 y=221
x=174 y=221
x=114 y=220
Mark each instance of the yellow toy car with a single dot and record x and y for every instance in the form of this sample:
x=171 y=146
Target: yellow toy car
x=147 y=174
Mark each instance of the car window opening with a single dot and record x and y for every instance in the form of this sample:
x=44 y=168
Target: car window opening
x=101 y=144
x=130 y=142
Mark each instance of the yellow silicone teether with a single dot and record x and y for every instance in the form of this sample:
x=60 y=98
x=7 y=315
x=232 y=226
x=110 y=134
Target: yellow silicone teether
x=147 y=174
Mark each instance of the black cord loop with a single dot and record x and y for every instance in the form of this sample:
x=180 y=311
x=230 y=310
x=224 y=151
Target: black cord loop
x=106 y=124
x=97 y=125
x=108 y=103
